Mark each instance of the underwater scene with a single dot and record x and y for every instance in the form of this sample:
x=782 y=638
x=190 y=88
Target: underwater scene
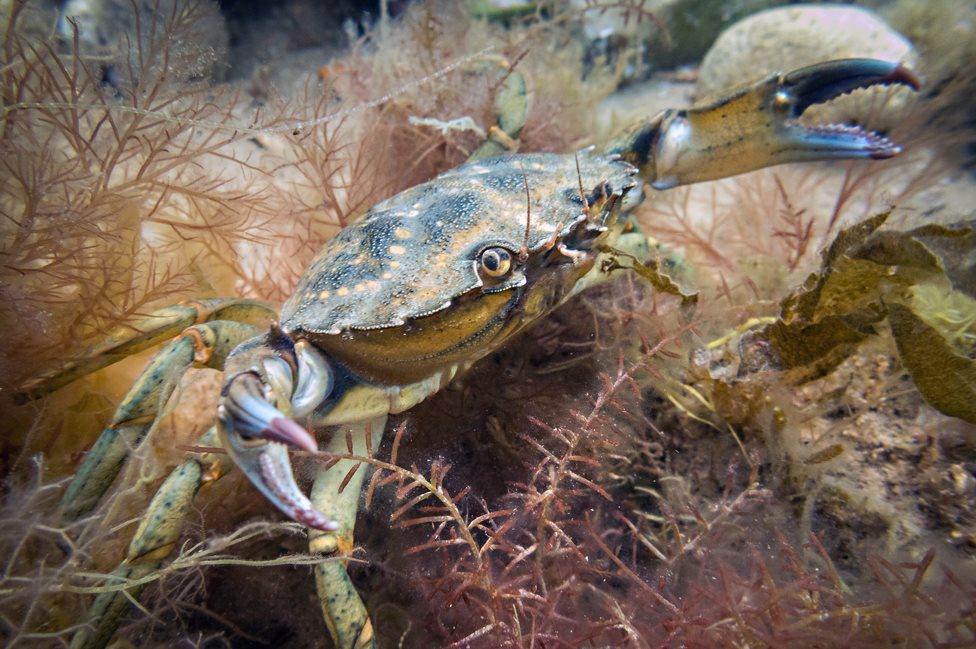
x=526 y=324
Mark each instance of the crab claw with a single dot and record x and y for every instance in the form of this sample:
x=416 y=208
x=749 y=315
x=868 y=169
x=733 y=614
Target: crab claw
x=820 y=83
x=257 y=436
x=759 y=126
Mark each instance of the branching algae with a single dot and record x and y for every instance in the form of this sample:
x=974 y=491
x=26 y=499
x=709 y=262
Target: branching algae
x=593 y=481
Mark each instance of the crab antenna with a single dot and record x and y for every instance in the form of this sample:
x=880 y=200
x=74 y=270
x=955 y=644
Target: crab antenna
x=579 y=179
x=524 y=251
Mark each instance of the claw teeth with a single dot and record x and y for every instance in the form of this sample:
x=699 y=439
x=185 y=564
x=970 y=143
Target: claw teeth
x=293 y=503
x=878 y=144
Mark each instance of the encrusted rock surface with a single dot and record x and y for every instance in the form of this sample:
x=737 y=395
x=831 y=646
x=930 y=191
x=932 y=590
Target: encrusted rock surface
x=787 y=38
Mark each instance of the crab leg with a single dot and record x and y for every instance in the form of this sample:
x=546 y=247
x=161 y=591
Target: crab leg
x=204 y=344
x=511 y=109
x=257 y=435
x=162 y=523
x=344 y=611
x=160 y=325
x=153 y=541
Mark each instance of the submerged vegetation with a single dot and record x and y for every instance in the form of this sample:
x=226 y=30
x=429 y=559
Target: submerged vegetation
x=787 y=465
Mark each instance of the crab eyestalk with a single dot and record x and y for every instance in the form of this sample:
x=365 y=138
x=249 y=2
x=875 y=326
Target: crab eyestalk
x=257 y=434
x=759 y=126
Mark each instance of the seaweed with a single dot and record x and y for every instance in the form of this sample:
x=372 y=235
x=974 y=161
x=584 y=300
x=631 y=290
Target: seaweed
x=868 y=276
x=636 y=475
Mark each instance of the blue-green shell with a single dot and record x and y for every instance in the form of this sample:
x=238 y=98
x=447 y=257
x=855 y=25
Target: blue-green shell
x=411 y=255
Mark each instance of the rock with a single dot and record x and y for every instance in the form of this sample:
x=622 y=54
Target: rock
x=693 y=25
x=944 y=31
x=787 y=38
x=639 y=101
x=642 y=38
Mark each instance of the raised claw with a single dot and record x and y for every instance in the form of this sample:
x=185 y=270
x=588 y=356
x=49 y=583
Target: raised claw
x=759 y=126
x=246 y=410
x=817 y=84
x=256 y=433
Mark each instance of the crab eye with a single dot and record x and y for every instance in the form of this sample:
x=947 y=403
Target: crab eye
x=496 y=262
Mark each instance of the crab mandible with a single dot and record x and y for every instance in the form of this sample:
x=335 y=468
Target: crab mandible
x=417 y=290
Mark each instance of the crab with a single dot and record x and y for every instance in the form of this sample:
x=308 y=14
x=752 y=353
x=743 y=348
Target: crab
x=410 y=296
